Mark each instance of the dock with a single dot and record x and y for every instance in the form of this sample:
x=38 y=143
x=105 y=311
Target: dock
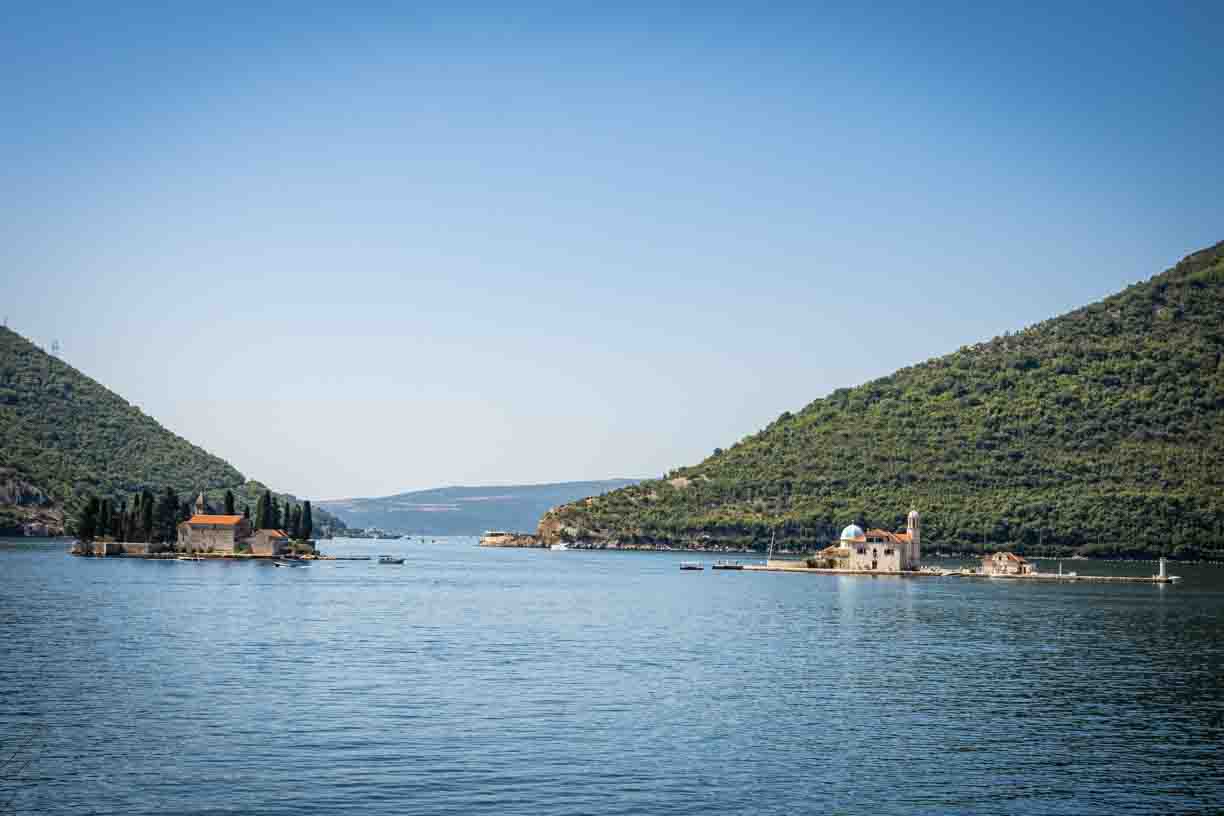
x=934 y=572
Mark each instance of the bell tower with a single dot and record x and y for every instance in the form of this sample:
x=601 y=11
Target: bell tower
x=913 y=526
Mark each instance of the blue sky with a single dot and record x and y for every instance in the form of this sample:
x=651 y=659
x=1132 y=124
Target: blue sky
x=369 y=249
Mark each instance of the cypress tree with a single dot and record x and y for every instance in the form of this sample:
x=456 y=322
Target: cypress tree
x=229 y=502
x=146 y=516
x=274 y=515
x=263 y=511
x=246 y=512
x=295 y=522
x=87 y=524
x=167 y=515
x=307 y=526
x=105 y=518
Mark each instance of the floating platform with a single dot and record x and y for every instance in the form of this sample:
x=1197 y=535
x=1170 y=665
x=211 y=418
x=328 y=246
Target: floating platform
x=728 y=565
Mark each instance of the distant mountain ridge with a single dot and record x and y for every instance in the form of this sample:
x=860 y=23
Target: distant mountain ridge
x=64 y=436
x=1099 y=432
x=465 y=510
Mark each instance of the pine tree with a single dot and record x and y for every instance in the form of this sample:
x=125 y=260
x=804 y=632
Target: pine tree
x=229 y=502
x=87 y=524
x=307 y=525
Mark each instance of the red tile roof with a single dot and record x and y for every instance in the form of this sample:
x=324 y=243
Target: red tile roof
x=896 y=538
x=224 y=521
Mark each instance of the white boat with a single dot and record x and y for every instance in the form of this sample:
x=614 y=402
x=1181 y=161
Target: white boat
x=559 y=546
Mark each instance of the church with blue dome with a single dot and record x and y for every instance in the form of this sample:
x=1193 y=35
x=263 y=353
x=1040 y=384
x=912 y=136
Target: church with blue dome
x=875 y=550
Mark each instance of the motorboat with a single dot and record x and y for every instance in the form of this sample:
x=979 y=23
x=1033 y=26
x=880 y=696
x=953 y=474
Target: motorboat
x=561 y=545
x=691 y=565
x=386 y=559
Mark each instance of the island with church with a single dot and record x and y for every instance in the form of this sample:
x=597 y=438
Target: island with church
x=164 y=528
x=878 y=552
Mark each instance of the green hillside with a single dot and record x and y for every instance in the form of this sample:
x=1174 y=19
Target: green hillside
x=64 y=437
x=1100 y=431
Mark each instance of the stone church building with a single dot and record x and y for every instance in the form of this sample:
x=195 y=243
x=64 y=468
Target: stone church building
x=875 y=550
x=205 y=532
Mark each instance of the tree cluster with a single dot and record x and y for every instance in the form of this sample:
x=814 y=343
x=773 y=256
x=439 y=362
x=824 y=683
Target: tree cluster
x=155 y=519
x=296 y=520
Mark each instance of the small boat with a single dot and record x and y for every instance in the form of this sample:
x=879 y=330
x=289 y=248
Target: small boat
x=731 y=565
x=559 y=546
x=386 y=559
x=691 y=565
x=189 y=558
x=280 y=564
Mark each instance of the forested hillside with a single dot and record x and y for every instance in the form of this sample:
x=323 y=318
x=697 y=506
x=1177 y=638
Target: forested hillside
x=65 y=437
x=1100 y=431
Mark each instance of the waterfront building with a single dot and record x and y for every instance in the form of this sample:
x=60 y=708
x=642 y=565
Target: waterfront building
x=205 y=532
x=875 y=550
x=1006 y=563
x=211 y=532
x=269 y=542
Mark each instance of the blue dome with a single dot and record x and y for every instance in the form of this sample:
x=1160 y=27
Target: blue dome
x=852 y=532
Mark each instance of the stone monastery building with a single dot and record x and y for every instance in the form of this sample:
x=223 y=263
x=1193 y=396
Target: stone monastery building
x=208 y=532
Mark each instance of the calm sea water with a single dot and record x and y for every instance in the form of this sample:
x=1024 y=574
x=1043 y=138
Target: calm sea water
x=474 y=681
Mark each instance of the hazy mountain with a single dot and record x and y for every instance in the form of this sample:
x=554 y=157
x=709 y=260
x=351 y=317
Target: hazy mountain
x=1098 y=431
x=64 y=437
x=465 y=510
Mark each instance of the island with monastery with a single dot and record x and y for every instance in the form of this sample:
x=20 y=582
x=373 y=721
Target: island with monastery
x=151 y=529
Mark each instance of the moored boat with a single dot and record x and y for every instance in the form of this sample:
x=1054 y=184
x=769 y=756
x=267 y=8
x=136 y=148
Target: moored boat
x=386 y=559
x=691 y=565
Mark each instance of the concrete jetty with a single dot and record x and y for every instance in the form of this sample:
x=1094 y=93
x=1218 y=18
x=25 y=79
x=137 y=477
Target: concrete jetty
x=935 y=572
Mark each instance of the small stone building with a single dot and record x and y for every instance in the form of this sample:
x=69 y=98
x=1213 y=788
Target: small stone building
x=269 y=542
x=1006 y=563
